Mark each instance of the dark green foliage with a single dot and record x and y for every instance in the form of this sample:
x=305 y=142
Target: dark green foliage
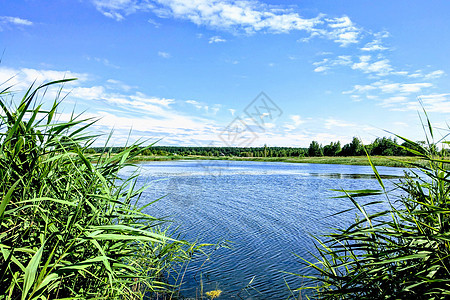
x=399 y=253
x=380 y=146
x=388 y=147
x=218 y=151
x=69 y=227
x=333 y=149
x=354 y=148
x=315 y=149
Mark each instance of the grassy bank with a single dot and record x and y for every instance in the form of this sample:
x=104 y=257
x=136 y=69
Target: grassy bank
x=389 y=161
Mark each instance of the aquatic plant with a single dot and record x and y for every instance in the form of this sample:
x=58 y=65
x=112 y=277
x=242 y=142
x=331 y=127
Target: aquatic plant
x=400 y=253
x=70 y=227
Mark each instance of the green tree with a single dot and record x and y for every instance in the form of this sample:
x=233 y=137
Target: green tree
x=333 y=149
x=315 y=149
x=384 y=146
x=354 y=148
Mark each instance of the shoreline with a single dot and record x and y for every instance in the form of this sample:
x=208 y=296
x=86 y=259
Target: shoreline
x=386 y=161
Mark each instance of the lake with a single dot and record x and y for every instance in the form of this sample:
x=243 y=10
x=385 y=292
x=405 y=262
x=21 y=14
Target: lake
x=267 y=210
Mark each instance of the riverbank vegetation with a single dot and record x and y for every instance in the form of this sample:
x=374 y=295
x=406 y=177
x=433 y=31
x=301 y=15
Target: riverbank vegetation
x=379 y=147
x=383 y=151
x=70 y=227
x=387 y=161
x=402 y=252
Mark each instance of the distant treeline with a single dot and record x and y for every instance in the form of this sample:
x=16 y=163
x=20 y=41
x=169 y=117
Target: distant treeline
x=217 y=151
x=380 y=146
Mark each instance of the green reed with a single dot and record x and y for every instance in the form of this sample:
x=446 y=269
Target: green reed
x=70 y=227
x=402 y=252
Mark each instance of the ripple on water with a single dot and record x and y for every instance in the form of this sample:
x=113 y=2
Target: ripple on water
x=266 y=210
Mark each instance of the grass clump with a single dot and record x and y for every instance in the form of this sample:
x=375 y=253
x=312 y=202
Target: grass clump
x=402 y=252
x=70 y=227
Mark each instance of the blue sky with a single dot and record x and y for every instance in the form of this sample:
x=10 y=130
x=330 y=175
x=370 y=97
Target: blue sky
x=187 y=72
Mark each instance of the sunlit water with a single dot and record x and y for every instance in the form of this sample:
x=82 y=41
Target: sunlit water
x=268 y=211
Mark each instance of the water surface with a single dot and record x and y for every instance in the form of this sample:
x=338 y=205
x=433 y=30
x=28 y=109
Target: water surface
x=268 y=210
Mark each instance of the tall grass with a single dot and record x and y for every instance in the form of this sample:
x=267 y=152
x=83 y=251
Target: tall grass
x=402 y=252
x=69 y=227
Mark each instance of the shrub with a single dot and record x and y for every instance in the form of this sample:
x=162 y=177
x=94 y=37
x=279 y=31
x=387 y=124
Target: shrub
x=400 y=253
x=70 y=227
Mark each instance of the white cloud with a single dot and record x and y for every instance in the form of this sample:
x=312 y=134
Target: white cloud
x=23 y=78
x=138 y=103
x=154 y=100
x=119 y=85
x=154 y=23
x=434 y=103
x=400 y=73
x=373 y=46
x=326 y=63
x=207 y=108
x=434 y=74
x=332 y=123
x=195 y=103
x=247 y=16
x=343 y=22
x=322 y=62
x=405 y=88
x=322 y=53
x=360 y=89
x=6 y=21
x=116 y=9
x=114 y=15
x=438 y=103
x=149 y=117
x=381 y=67
x=88 y=93
x=174 y=125
x=289 y=127
x=343 y=31
x=321 y=69
x=164 y=54
x=216 y=39
x=403 y=98
x=115 y=4
x=388 y=87
x=297 y=120
x=355 y=98
x=269 y=125
x=49 y=75
x=104 y=61
x=373 y=65
x=394 y=101
x=215 y=109
x=376 y=44
x=417 y=74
